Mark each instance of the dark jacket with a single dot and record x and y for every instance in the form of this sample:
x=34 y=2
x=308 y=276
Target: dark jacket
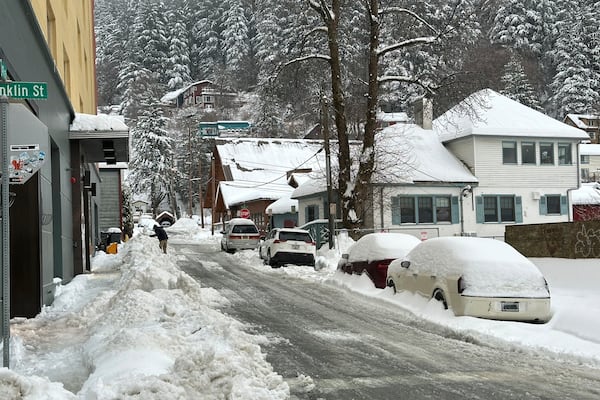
x=160 y=233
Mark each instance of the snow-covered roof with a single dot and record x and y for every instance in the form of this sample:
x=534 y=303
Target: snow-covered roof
x=407 y=153
x=282 y=206
x=98 y=123
x=577 y=119
x=588 y=193
x=257 y=168
x=490 y=113
x=171 y=96
x=392 y=117
x=589 y=149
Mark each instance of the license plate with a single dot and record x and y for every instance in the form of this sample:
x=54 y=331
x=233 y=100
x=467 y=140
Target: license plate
x=509 y=306
x=295 y=246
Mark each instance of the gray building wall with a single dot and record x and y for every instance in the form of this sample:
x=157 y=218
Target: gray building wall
x=25 y=52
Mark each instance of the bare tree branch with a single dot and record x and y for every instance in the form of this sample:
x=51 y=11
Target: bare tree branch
x=400 y=10
x=305 y=58
x=431 y=88
x=406 y=43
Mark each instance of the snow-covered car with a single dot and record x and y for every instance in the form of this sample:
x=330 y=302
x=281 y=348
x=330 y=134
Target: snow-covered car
x=372 y=253
x=239 y=234
x=479 y=277
x=288 y=246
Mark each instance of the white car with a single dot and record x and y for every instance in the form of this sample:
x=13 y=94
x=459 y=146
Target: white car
x=288 y=246
x=479 y=277
x=239 y=234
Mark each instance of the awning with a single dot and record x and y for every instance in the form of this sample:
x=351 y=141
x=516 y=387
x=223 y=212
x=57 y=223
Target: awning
x=103 y=138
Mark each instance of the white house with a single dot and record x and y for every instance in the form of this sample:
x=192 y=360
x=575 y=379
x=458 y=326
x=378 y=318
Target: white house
x=526 y=162
x=589 y=155
x=488 y=162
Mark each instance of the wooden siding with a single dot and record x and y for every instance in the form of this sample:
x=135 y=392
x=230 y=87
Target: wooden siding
x=464 y=150
x=491 y=172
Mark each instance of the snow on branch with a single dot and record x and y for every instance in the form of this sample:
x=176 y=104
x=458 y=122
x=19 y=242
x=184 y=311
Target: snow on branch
x=407 y=43
x=308 y=57
x=408 y=79
x=321 y=7
x=400 y=10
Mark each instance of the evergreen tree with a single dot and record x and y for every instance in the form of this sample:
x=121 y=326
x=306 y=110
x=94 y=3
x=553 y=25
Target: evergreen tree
x=178 y=62
x=516 y=84
x=151 y=36
x=235 y=44
x=152 y=157
x=576 y=84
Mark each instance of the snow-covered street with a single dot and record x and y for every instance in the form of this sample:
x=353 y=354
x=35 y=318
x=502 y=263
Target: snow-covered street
x=140 y=327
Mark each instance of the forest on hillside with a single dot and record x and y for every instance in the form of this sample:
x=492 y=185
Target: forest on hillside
x=544 y=53
x=295 y=61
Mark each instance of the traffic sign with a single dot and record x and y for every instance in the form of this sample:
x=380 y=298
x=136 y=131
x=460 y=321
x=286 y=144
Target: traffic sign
x=245 y=213
x=24 y=90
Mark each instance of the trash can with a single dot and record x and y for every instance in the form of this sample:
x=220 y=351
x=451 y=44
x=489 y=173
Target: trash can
x=111 y=248
x=113 y=235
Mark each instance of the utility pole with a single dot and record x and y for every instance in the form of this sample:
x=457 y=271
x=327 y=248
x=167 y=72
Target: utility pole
x=330 y=202
x=189 y=170
x=200 y=195
x=5 y=233
x=214 y=196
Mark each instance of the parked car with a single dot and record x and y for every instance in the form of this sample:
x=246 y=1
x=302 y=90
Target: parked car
x=473 y=276
x=288 y=246
x=372 y=253
x=239 y=234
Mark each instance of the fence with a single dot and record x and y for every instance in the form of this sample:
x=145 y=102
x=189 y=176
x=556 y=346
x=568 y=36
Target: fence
x=579 y=239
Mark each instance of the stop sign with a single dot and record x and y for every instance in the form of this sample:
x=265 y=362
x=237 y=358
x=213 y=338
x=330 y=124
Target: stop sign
x=245 y=213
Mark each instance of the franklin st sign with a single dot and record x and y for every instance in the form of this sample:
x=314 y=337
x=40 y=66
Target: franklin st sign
x=24 y=90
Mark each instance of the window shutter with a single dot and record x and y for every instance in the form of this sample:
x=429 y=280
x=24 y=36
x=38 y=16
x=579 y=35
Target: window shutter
x=306 y=215
x=479 y=209
x=564 y=205
x=543 y=207
x=454 y=211
x=395 y=211
x=518 y=210
x=317 y=213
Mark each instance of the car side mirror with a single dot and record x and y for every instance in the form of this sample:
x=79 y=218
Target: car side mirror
x=405 y=264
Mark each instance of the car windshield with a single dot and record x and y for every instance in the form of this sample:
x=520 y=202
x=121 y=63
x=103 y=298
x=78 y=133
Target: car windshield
x=244 y=229
x=299 y=236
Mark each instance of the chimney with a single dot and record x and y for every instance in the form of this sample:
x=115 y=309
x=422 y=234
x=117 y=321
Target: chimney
x=424 y=112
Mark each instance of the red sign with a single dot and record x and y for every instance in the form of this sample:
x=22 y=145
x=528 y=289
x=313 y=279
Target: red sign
x=245 y=213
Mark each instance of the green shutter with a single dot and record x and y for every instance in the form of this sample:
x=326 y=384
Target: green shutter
x=317 y=213
x=564 y=205
x=479 y=209
x=395 y=210
x=454 y=210
x=543 y=207
x=306 y=215
x=518 y=210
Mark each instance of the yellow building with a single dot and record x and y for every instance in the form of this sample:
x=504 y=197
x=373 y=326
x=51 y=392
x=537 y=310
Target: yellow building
x=68 y=26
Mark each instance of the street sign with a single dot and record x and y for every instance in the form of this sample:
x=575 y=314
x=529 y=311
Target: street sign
x=245 y=213
x=24 y=90
x=3 y=72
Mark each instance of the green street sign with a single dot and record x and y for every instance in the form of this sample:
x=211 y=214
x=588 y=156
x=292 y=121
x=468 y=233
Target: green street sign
x=24 y=90
x=3 y=72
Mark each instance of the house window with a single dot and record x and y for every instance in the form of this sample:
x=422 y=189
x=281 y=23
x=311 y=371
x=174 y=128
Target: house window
x=208 y=99
x=509 y=152
x=499 y=209
x=547 y=153
x=424 y=209
x=198 y=100
x=311 y=213
x=585 y=174
x=442 y=209
x=528 y=152
x=585 y=159
x=553 y=204
x=407 y=210
x=564 y=154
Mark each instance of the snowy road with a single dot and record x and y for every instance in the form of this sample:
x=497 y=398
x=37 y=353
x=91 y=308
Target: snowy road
x=331 y=344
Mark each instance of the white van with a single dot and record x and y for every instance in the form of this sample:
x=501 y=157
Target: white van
x=239 y=234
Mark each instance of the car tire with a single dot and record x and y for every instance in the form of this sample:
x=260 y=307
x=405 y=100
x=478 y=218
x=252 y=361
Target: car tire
x=439 y=295
x=270 y=261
